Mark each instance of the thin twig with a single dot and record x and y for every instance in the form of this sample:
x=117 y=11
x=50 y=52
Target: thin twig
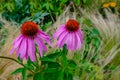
x=51 y=16
x=4 y=57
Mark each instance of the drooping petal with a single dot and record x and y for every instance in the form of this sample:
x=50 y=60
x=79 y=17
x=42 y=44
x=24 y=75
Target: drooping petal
x=74 y=45
x=76 y=41
x=23 y=48
x=80 y=35
x=62 y=39
x=12 y=50
x=31 y=49
x=44 y=36
x=69 y=41
x=79 y=44
x=26 y=56
x=41 y=46
x=59 y=31
x=16 y=43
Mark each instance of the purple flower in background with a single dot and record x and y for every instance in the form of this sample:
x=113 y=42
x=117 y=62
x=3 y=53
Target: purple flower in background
x=24 y=44
x=69 y=34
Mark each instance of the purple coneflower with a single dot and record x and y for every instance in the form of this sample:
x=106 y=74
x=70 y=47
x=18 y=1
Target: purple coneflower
x=69 y=34
x=24 y=44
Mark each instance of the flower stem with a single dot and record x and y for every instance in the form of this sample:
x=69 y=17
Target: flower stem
x=4 y=57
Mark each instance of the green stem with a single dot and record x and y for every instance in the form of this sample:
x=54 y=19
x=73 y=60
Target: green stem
x=16 y=62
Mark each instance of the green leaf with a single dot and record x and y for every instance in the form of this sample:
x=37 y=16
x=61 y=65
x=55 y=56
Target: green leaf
x=19 y=70
x=60 y=75
x=54 y=55
x=19 y=59
x=95 y=31
x=78 y=2
x=26 y=19
x=84 y=1
x=24 y=76
x=29 y=66
x=51 y=7
x=51 y=70
x=72 y=64
x=65 y=50
x=87 y=22
x=51 y=57
x=46 y=59
x=96 y=42
x=47 y=6
x=44 y=27
x=53 y=65
x=39 y=16
x=38 y=76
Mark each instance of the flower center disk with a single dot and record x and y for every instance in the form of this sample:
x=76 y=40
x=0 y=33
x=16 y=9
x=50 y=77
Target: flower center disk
x=72 y=25
x=29 y=28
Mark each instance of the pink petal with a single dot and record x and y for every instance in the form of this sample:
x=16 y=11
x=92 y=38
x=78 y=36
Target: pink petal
x=79 y=41
x=44 y=36
x=80 y=35
x=26 y=56
x=69 y=41
x=59 y=31
x=76 y=40
x=18 y=51
x=23 y=48
x=41 y=46
x=31 y=49
x=16 y=43
x=62 y=39
x=74 y=45
x=12 y=50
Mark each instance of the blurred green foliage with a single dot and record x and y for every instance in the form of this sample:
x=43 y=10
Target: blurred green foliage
x=21 y=10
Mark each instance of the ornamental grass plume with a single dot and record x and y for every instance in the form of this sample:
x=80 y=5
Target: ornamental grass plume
x=24 y=44
x=69 y=34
